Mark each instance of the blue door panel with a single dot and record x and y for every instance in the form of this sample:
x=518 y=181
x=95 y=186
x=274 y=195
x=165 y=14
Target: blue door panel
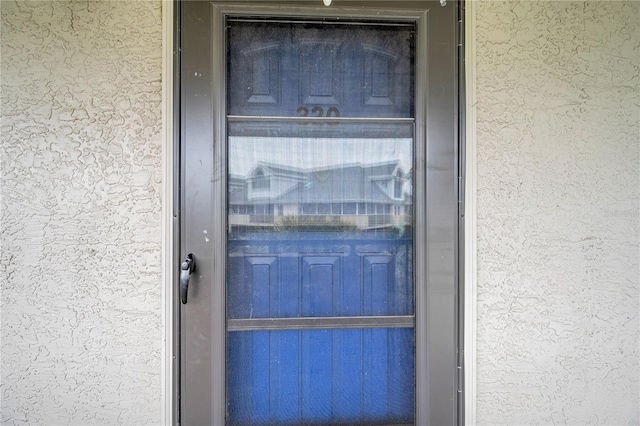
x=352 y=376
x=347 y=375
x=378 y=285
x=375 y=374
x=320 y=285
x=284 y=367
x=263 y=280
x=239 y=378
x=337 y=376
x=319 y=276
x=321 y=73
x=316 y=375
x=286 y=299
x=361 y=71
x=349 y=300
x=401 y=380
x=260 y=363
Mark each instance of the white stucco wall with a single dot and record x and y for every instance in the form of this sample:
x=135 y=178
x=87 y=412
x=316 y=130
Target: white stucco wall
x=81 y=168
x=558 y=159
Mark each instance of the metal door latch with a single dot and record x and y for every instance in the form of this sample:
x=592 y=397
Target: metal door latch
x=186 y=268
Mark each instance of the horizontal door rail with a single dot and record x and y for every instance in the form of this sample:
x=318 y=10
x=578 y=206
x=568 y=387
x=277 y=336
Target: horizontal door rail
x=322 y=21
x=315 y=323
x=293 y=119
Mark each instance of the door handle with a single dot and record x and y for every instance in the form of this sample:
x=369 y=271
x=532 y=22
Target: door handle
x=186 y=268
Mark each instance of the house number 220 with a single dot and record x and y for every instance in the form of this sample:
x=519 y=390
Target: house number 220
x=317 y=111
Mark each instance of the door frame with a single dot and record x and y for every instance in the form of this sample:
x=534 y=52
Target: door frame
x=170 y=227
x=171 y=216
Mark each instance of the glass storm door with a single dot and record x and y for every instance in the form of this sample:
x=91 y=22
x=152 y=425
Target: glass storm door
x=320 y=289
x=305 y=199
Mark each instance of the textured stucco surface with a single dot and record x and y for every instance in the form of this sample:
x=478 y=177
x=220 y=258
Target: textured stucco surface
x=558 y=159
x=558 y=212
x=81 y=169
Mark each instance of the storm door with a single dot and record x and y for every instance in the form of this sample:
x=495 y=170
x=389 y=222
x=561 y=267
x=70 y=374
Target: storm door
x=304 y=283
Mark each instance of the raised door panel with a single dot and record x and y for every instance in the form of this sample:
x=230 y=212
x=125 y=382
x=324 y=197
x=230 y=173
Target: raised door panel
x=321 y=74
x=263 y=75
x=310 y=275
x=360 y=71
x=259 y=64
x=379 y=78
x=321 y=285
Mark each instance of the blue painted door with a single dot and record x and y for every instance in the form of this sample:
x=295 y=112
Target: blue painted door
x=322 y=376
x=320 y=282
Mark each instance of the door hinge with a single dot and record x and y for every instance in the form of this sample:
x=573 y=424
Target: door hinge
x=461 y=25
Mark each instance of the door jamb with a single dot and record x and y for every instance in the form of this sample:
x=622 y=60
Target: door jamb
x=469 y=284
x=170 y=380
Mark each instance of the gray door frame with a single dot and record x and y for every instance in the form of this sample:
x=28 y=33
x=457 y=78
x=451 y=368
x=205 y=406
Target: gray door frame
x=201 y=195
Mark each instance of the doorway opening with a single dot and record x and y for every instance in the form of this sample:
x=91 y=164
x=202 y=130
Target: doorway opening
x=319 y=184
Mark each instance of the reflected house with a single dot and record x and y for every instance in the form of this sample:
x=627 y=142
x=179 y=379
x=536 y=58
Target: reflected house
x=369 y=196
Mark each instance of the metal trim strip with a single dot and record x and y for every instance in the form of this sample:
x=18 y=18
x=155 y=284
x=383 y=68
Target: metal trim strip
x=319 y=323
x=264 y=118
x=321 y=20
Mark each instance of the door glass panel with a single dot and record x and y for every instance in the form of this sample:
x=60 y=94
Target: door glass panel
x=320 y=152
x=320 y=226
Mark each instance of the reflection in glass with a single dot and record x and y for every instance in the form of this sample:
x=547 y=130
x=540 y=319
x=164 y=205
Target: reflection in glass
x=320 y=227
x=314 y=183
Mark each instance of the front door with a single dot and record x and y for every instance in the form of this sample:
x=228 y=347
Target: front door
x=319 y=207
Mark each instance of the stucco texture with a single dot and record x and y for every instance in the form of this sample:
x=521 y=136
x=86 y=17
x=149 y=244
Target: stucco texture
x=558 y=159
x=558 y=162
x=81 y=178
